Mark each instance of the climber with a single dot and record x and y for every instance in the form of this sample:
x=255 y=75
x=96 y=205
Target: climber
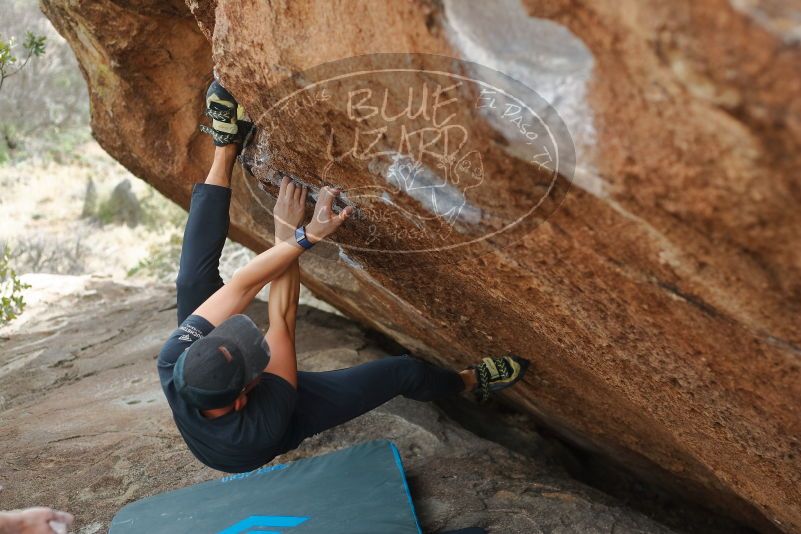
x=236 y=395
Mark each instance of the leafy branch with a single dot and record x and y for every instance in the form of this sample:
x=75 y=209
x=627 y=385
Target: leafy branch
x=11 y=287
x=10 y=64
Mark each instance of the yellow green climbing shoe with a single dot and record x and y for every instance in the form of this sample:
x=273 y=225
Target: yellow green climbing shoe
x=495 y=374
x=229 y=123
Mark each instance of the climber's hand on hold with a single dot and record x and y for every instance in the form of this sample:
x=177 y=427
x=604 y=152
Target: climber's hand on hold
x=37 y=520
x=325 y=222
x=290 y=207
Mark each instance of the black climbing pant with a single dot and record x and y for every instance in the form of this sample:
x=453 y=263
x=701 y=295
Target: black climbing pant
x=325 y=399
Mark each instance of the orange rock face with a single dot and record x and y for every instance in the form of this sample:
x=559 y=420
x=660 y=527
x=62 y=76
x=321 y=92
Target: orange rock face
x=656 y=287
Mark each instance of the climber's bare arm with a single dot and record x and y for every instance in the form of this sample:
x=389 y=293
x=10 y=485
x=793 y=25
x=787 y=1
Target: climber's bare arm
x=283 y=309
x=289 y=212
x=237 y=294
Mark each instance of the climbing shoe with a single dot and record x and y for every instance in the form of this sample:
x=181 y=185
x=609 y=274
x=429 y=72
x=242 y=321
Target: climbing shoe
x=495 y=374
x=229 y=123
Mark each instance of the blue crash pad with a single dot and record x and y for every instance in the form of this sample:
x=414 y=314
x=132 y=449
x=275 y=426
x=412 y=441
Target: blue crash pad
x=359 y=490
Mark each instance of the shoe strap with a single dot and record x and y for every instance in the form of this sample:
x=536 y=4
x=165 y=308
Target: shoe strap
x=220 y=138
x=492 y=369
x=498 y=368
x=482 y=391
x=505 y=370
x=224 y=115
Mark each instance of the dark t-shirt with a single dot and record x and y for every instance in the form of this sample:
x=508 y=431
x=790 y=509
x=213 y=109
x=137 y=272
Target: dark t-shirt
x=238 y=441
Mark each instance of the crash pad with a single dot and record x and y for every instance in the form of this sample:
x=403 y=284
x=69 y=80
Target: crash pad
x=361 y=489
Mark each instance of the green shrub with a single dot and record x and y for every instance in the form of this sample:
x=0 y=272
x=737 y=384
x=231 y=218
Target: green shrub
x=162 y=261
x=105 y=212
x=11 y=301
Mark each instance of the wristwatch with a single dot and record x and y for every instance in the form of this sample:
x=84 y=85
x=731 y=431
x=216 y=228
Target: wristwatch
x=300 y=237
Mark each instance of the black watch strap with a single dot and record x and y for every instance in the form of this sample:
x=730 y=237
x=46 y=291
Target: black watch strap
x=300 y=237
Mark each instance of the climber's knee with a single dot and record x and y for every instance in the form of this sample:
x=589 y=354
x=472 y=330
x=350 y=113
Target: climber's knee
x=412 y=375
x=187 y=287
x=182 y=283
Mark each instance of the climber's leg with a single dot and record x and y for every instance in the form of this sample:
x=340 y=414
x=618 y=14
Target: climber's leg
x=331 y=398
x=207 y=226
x=222 y=167
x=205 y=233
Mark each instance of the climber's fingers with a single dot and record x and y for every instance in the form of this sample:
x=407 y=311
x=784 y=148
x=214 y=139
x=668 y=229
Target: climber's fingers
x=282 y=188
x=344 y=214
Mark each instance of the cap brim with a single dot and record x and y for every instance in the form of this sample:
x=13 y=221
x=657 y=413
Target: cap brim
x=249 y=339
